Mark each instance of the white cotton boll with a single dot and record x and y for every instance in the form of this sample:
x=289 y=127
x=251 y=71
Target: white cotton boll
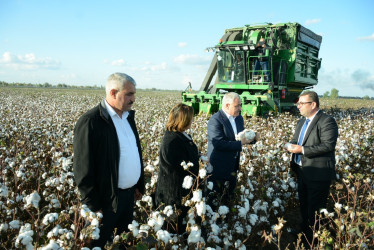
x=159 y=222
x=239 y=229
x=288 y=146
x=214 y=239
x=55 y=203
x=215 y=229
x=188 y=203
x=52 y=245
x=149 y=168
x=25 y=237
x=92 y=215
x=210 y=185
x=338 y=206
x=147 y=199
x=187 y=182
x=197 y=195
x=163 y=235
x=200 y=208
x=202 y=173
x=184 y=165
x=95 y=235
x=248 y=228
x=168 y=211
x=324 y=211
x=4 y=227
x=4 y=191
x=14 y=224
x=144 y=229
x=242 y=212
x=275 y=203
x=253 y=218
x=95 y=222
x=49 y=218
x=247 y=134
x=195 y=235
x=223 y=210
x=152 y=222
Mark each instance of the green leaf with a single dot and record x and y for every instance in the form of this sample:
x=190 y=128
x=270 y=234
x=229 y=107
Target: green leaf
x=141 y=246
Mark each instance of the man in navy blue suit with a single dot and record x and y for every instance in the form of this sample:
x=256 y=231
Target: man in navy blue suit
x=223 y=149
x=313 y=158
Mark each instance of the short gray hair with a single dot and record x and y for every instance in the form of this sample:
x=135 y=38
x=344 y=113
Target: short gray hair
x=229 y=98
x=117 y=81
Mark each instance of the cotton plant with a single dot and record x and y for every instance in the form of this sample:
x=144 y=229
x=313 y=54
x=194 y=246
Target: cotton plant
x=36 y=155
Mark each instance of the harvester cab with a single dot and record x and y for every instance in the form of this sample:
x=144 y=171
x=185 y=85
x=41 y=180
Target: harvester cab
x=267 y=65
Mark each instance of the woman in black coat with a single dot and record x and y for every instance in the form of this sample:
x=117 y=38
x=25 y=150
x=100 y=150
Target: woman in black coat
x=177 y=146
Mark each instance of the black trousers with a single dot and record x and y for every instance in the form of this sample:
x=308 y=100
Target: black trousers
x=312 y=197
x=120 y=219
x=224 y=191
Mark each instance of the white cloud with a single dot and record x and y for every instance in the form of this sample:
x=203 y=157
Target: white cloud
x=182 y=44
x=149 y=67
x=28 y=61
x=192 y=59
x=348 y=82
x=369 y=38
x=312 y=21
x=159 y=67
x=119 y=62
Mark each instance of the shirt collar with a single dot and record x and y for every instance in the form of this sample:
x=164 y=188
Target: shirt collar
x=113 y=113
x=229 y=116
x=311 y=118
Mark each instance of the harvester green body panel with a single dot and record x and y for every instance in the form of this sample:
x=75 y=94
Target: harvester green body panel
x=290 y=53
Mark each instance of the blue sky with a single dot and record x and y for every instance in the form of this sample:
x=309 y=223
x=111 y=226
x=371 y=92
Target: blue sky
x=161 y=43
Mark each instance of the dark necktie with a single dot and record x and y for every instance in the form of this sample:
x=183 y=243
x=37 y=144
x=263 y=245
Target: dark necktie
x=300 y=142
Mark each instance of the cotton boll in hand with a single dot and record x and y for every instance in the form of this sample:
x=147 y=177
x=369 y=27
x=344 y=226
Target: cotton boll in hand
x=248 y=134
x=288 y=146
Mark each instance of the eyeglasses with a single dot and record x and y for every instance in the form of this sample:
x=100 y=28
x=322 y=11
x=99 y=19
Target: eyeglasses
x=301 y=103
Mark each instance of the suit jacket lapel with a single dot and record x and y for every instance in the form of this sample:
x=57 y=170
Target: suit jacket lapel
x=227 y=124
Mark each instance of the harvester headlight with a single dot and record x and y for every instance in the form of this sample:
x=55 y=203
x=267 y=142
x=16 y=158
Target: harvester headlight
x=252 y=47
x=237 y=48
x=245 y=47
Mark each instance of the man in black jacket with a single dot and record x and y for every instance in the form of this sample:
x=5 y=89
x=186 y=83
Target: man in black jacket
x=108 y=165
x=313 y=158
x=223 y=149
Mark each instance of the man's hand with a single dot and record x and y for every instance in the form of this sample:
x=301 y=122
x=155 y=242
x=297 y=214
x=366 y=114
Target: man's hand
x=245 y=141
x=296 y=149
x=137 y=194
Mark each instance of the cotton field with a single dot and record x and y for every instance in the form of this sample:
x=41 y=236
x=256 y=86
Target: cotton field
x=39 y=202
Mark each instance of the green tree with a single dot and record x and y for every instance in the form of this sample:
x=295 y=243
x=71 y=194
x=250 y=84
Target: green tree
x=326 y=94
x=366 y=97
x=334 y=93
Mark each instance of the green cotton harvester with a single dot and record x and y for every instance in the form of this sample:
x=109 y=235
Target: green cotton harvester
x=268 y=65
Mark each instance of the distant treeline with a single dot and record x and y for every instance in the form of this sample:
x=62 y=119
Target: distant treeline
x=47 y=85
x=333 y=95
x=64 y=86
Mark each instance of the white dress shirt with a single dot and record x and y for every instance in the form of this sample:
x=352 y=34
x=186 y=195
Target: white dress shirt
x=232 y=121
x=129 y=162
